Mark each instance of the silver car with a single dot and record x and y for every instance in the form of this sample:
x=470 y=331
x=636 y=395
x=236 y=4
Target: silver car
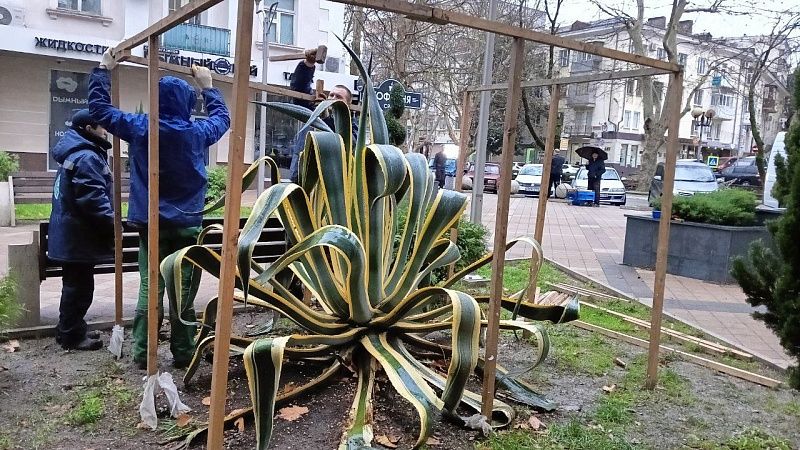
x=691 y=177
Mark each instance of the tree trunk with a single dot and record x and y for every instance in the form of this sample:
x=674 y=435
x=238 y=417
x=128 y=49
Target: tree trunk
x=653 y=142
x=751 y=104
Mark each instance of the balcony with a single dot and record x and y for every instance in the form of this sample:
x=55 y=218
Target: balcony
x=586 y=65
x=578 y=130
x=198 y=38
x=581 y=96
x=769 y=105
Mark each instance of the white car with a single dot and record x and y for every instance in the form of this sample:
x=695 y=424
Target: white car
x=530 y=179
x=611 y=188
x=568 y=172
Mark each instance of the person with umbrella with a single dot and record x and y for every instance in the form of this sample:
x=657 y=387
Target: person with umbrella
x=595 y=168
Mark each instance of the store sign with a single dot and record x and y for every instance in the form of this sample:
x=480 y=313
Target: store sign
x=221 y=66
x=412 y=100
x=69 y=92
x=70 y=46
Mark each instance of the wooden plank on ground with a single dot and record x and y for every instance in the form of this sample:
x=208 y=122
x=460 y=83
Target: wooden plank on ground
x=724 y=368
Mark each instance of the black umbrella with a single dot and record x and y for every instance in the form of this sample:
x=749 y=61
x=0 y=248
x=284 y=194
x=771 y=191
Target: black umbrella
x=586 y=152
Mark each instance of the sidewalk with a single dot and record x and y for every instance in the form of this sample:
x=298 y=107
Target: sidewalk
x=590 y=241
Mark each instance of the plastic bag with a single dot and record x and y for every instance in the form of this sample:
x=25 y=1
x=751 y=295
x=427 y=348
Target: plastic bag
x=147 y=409
x=117 y=337
x=176 y=406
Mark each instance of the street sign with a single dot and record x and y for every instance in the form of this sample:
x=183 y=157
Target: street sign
x=412 y=100
x=712 y=161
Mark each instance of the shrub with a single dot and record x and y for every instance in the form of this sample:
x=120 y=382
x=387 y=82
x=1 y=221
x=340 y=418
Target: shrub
x=735 y=207
x=9 y=164
x=10 y=309
x=217 y=180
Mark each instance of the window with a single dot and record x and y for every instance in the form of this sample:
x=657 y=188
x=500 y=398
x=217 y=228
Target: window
x=623 y=155
x=563 y=58
x=582 y=89
x=682 y=59
x=174 y=5
x=701 y=66
x=630 y=87
x=639 y=86
x=698 y=98
x=635 y=124
x=634 y=156
x=721 y=100
x=282 y=30
x=661 y=53
x=627 y=119
x=87 y=6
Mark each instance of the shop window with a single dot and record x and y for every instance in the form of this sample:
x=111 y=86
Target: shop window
x=86 y=6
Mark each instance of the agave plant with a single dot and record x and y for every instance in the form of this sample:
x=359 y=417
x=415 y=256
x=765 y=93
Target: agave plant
x=372 y=307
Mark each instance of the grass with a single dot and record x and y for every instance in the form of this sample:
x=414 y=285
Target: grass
x=516 y=274
x=90 y=409
x=570 y=436
x=579 y=352
x=41 y=211
x=5 y=442
x=10 y=308
x=751 y=439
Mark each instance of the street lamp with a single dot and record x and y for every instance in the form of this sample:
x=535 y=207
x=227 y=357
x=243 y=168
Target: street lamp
x=701 y=119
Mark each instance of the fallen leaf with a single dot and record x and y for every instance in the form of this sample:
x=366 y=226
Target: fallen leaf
x=207 y=401
x=11 y=346
x=535 y=423
x=292 y=413
x=183 y=420
x=433 y=441
x=387 y=441
x=609 y=389
x=239 y=424
x=620 y=363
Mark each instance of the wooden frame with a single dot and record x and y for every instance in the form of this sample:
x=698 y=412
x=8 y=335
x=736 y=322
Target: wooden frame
x=241 y=86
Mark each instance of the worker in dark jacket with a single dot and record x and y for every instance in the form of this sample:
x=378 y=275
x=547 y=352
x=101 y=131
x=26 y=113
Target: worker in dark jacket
x=183 y=144
x=595 y=168
x=556 y=166
x=302 y=79
x=81 y=232
x=440 y=168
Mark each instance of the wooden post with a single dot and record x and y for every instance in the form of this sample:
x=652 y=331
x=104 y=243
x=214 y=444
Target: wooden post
x=117 y=175
x=463 y=149
x=319 y=89
x=501 y=223
x=241 y=78
x=152 y=208
x=675 y=93
x=550 y=143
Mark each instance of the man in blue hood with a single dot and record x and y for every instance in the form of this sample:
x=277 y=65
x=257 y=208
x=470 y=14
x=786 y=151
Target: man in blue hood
x=81 y=232
x=182 y=171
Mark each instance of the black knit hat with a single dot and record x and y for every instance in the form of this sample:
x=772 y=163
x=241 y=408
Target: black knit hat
x=82 y=118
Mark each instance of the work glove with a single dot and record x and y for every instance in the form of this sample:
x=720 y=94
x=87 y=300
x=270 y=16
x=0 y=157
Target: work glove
x=108 y=61
x=202 y=75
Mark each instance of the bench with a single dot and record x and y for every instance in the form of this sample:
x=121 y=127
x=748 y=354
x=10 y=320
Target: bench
x=270 y=246
x=37 y=187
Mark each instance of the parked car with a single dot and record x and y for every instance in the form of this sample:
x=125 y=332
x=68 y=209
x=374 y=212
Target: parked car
x=491 y=176
x=530 y=179
x=515 y=169
x=449 y=166
x=726 y=162
x=743 y=172
x=611 y=188
x=691 y=177
x=568 y=172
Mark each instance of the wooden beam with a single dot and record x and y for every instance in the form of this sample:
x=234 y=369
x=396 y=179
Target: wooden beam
x=255 y=85
x=590 y=78
x=152 y=210
x=724 y=368
x=549 y=146
x=674 y=97
x=176 y=17
x=439 y=16
x=116 y=155
x=501 y=223
x=463 y=149
x=233 y=200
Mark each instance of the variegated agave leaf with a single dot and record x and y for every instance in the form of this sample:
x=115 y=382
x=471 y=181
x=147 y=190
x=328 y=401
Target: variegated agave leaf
x=371 y=306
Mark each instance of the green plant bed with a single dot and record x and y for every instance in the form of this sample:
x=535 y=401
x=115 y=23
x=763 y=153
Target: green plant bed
x=732 y=207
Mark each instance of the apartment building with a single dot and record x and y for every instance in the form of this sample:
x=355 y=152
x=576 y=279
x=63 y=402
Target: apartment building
x=610 y=114
x=48 y=48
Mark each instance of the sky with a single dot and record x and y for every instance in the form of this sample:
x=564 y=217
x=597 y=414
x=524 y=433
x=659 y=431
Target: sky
x=758 y=18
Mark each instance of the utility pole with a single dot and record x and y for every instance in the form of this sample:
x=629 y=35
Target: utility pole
x=268 y=15
x=476 y=207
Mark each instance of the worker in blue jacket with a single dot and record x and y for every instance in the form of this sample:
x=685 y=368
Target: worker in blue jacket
x=81 y=232
x=183 y=144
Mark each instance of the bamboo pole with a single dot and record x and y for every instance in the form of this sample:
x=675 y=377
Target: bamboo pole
x=152 y=209
x=241 y=90
x=501 y=223
x=117 y=201
x=550 y=144
x=463 y=145
x=673 y=113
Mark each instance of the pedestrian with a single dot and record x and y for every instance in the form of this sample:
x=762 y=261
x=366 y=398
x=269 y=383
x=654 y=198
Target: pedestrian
x=302 y=78
x=556 y=166
x=439 y=168
x=595 y=168
x=81 y=232
x=182 y=171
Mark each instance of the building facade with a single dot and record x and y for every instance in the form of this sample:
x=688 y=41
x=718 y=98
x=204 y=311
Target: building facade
x=610 y=114
x=48 y=48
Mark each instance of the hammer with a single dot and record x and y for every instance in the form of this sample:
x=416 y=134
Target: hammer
x=320 y=53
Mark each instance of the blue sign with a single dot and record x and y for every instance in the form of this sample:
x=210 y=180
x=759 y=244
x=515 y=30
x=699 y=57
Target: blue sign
x=716 y=81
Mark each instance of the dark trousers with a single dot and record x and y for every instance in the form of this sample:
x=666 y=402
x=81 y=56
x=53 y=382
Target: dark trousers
x=76 y=297
x=555 y=180
x=594 y=185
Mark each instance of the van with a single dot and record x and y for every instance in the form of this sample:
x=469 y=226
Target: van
x=778 y=148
